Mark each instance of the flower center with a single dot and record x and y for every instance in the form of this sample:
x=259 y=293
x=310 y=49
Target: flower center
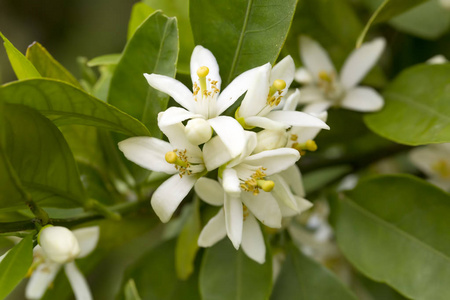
x=179 y=159
x=309 y=145
x=205 y=94
x=330 y=86
x=257 y=181
x=442 y=168
x=274 y=97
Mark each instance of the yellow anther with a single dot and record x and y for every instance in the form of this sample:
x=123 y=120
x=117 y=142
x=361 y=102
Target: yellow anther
x=310 y=145
x=202 y=72
x=266 y=185
x=171 y=157
x=324 y=76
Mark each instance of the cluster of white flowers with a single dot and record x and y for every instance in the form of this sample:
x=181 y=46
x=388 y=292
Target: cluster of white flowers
x=253 y=154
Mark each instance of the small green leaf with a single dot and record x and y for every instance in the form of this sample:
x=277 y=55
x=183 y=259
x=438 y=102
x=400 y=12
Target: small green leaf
x=108 y=59
x=131 y=292
x=394 y=229
x=302 y=278
x=244 y=35
x=187 y=245
x=47 y=66
x=417 y=107
x=139 y=13
x=227 y=273
x=22 y=67
x=15 y=265
x=66 y=104
x=152 y=49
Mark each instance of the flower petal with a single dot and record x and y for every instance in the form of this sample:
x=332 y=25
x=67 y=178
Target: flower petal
x=172 y=87
x=308 y=133
x=79 y=284
x=275 y=160
x=256 y=97
x=148 y=153
x=202 y=57
x=250 y=145
x=285 y=70
x=87 y=239
x=41 y=278
x=178 y=140
x=210 y=191
x=174 y=115
x=213 y=154
x=310 y=94
x=317 y=107
x=264 y=207
x=265 y=123
x=360 y=61
x=170 y=193
x=292 y=101
x=230 y=183
x=363 y=99
x=282 y=193
x=230 y=132
x=296 y=118
x=233 y=219
x=293 y=178
x=314 y=57
x=303 y=76
x=213 y=231
x=253 y=240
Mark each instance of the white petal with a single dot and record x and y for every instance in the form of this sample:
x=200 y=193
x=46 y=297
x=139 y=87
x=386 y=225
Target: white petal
x=230 y=132
x=265 y=123
x=148 y=153
x=310 y=94
x=172 y=87
x=303 y=76
x=210 y=191
x=363 y=99
x=317 y=107
x=427 y=157
x=233 y=219
x=235 y=89
x=360 y=61
x=256 y=97
x=282 y=193
x=79 y=284
x=250 y=145
x=297 y=118
x=170 y=193
x=308 y=133
x=202 y=57
x=303 y=204
x=292 y=101
x=253 y=240
x=285 y=70
x=231 y=184
x=264 y=207
x=178 y=140
x=275 y=160
x=437 y=59
x=41 y=279
x=87 y=239
x=293 y=178
x=213 y=231
x=214 y=155
x=314 y=57
x=174 y=115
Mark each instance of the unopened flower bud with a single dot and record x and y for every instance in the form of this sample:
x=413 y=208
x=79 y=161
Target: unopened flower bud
x=59 y=244
x=198 y=131
x=270 y=139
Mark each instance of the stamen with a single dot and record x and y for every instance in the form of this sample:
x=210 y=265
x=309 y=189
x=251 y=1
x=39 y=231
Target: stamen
x=257 y=181
x=274 y=97
x=179 y=159
x=202 y=72
x=442 y=168
x=325 y=76
x=266 y=185
x=309 y=145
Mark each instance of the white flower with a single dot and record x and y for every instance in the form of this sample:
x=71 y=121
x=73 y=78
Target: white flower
x=265 y=94
x=437 y=60
x=324 y=87
x=179 y=157
x=204 y=102
x=434 y=161
x=58 y=248
x=445 y=4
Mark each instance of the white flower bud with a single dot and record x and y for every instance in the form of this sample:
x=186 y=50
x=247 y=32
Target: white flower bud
x=198 y=131
x=270 y=139
x=59 y=244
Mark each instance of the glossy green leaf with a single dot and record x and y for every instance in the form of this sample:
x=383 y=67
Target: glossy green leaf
x=187 y=245
x=302 y=278
x=243 y=35
x=394 y=229
x=15 y=265
x=66 y=104
x=22 y=67
x=41 y=158
x=155 y=277
x=152 y=49
x=107 y=59
x=417 y=107
x=131 y=292
x=139 y=13
x=229 y=274
x=47 y=66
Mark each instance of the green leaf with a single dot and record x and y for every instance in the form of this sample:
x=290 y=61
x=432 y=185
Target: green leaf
x=47 y=66
x=187 y=245
x=139 y=13
x=131 y=292
x=302 y=278
x=417 y=107
x=152 y=49
x=41 y=158
x=394 y=229
x=65 y=104
x=163 y=283
x=22 y=67
x=108 y=59
x=227 y=273
x=15 y=265
x=244 y=35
